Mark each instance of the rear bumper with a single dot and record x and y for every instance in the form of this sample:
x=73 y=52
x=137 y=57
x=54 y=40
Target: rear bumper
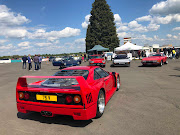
x=77 y=114
x=121 y=63
x=150 y=64
x=97 y=64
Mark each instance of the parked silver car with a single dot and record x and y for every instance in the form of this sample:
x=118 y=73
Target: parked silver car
x=121 y=59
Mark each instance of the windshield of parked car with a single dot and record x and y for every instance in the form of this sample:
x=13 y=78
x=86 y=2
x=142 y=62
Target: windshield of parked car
x=121 y=57
x=95 y=57
x=155 y=55
x=60 y=82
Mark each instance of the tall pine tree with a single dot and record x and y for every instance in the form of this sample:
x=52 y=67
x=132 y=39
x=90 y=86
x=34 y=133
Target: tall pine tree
x=102 y=29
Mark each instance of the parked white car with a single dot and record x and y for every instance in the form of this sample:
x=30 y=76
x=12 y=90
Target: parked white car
x=121 y=59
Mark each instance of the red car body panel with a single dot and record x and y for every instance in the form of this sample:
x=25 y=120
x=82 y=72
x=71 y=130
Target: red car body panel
x=84 y=111
x=149 y=60
x=97 y=61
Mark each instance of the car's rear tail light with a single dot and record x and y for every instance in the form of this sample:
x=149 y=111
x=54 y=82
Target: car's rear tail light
x=68 y=99
x=77 y=99
x=26 y=96
x=21 y=95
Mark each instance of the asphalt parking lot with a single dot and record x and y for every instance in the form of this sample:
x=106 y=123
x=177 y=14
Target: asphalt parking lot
x=148 y=103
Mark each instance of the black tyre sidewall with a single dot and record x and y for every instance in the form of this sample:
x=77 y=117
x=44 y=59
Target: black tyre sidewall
x=98 y=114
x=116 y=84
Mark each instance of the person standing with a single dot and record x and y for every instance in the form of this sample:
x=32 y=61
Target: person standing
x=177 y=53
x=84 y=57
x=105 y=56
x=173 y=53
x=24 y=59
x=36 y=62
x=40 y=60
x=29 y=62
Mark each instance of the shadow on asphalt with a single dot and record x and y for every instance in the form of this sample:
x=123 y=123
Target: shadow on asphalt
x=175 y=75
x=177 y=68
x=56 y=69
x=118 y=66
x=148 y=66
x=60 y=119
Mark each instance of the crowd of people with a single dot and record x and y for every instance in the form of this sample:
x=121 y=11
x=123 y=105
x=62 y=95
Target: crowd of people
x=171 y=52
x=37 y=62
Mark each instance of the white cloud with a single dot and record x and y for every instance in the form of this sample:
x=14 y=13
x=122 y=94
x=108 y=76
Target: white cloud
x=6 y=47
x=175 y=37
x=86 y=22
x=144 y=18
x=166 y=7
x=10 y=23
x=53 y=35
x=24 y=45
x=14 y=32
x=122 y=28
x=153 y=27
x=43 y=44
x=140 y=29
x=162 y=20
x=142 y=37
x=134 y=24
x=169 y=35
x=176 y=28
x=117 y=18
x=80 y=41
x=84 y=25
x=7 y=17
x=176 y=17
x=122 y=34
x=3 y=41
x=156 y=37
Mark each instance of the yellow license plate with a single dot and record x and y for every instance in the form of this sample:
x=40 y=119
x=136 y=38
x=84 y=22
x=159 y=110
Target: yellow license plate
x=46 y=97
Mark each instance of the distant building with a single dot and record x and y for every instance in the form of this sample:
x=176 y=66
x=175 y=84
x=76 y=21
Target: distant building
x=167 y=46
x=128 y=39
x=155 y=47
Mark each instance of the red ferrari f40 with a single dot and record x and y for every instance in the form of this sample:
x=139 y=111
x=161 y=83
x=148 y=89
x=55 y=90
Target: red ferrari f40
x=81 y=92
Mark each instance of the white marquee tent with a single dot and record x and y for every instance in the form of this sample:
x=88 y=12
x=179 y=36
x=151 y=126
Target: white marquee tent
x=128 y=46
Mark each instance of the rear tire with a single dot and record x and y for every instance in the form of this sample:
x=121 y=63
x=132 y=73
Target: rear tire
x=161 y=63
x=118 y=83
x=100 y=104
x=166 y=62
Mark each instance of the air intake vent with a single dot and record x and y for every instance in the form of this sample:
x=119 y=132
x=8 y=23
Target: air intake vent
x=89 y=98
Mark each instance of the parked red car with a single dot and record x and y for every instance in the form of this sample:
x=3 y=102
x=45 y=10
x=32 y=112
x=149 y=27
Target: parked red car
x=97 y=60
x=81 y=92
x=155 y=59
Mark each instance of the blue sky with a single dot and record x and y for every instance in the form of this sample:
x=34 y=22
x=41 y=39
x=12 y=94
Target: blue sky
x=59 y=26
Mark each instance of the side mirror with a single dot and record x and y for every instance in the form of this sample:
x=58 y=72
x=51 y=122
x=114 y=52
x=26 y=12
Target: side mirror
x=113 y=73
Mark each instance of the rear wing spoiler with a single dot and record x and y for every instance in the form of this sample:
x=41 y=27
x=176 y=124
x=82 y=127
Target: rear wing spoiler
x=22 y=81
x=84 y=86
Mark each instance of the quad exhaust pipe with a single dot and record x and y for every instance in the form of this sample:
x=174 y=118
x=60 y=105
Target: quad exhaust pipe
x=46 y=113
